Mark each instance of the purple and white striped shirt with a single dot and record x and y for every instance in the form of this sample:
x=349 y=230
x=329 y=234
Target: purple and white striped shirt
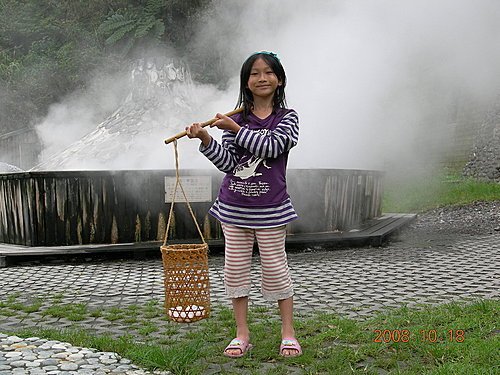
x=253 y=193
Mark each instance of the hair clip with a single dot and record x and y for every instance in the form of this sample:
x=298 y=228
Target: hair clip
x=268 y=53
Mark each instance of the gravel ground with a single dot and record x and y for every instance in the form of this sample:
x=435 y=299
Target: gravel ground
x=453 y=222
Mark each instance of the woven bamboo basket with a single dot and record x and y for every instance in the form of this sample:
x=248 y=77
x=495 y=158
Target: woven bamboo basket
x=185 y=270
x=186 y=280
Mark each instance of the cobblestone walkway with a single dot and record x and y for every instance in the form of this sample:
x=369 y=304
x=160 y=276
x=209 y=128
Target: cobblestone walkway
x=355 y=282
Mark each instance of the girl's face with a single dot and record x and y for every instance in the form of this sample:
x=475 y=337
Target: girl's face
x=262 y=81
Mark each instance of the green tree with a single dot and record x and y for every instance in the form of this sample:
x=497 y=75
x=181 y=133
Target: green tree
x=132 y=26
x=48 y=48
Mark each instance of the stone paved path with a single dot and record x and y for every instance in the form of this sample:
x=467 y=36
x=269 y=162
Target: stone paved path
x=355 y=282
x=35 y=356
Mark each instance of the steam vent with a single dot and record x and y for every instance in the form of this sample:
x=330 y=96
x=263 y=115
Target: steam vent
x=160 y=96
x=59 y=204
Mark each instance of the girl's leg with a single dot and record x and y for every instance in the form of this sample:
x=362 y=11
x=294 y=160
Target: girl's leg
x=276 y=280
x=237 y=264
x=240 y=310
x=286 y=312
x=287 y=330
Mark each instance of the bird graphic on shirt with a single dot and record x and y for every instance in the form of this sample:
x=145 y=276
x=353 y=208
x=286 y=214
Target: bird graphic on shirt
x=248 y=168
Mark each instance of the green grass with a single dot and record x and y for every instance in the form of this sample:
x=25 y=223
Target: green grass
x=456 y=338
x=428 y=192
x=15 y=305
x=73 y=312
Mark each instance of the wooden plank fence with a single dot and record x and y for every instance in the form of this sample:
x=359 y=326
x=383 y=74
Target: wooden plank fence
x=334 y=199
x=109 y=207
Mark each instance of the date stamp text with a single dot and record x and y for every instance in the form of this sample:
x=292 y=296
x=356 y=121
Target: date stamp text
x=423 y=335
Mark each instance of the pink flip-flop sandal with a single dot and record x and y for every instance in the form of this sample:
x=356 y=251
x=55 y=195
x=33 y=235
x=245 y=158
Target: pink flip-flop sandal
x=290 y=344
x=239 y=344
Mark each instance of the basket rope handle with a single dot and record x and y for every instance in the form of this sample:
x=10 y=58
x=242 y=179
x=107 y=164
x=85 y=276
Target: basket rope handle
x=179 y=184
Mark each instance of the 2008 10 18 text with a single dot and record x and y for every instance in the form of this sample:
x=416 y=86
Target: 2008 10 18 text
x=423 y=335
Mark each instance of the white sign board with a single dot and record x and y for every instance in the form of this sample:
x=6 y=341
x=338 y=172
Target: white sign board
x=197 y=189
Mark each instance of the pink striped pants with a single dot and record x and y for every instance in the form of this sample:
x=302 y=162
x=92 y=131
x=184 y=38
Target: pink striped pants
x=276 y=283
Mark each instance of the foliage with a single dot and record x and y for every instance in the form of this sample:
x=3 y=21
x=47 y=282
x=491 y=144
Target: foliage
x=48 y=48
x=131 y=26
x=423 y=193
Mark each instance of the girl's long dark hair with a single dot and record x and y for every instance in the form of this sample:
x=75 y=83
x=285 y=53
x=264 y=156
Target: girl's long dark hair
x=245 y=98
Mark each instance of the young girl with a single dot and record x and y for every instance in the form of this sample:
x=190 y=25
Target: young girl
x=253 y=201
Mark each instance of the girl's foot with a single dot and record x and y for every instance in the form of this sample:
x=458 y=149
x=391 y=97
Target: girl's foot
x=237 y=348
x=290 y=347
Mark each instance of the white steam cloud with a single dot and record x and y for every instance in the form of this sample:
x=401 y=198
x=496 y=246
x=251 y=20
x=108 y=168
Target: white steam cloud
x=374 y=82
x=79 y=113
x=371 y=80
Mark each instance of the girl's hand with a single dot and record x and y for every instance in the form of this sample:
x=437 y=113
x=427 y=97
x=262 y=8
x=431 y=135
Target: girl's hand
x=196 y=131
x=226 y=123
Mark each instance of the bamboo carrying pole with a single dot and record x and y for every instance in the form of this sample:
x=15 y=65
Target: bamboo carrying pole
x=204 y=124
